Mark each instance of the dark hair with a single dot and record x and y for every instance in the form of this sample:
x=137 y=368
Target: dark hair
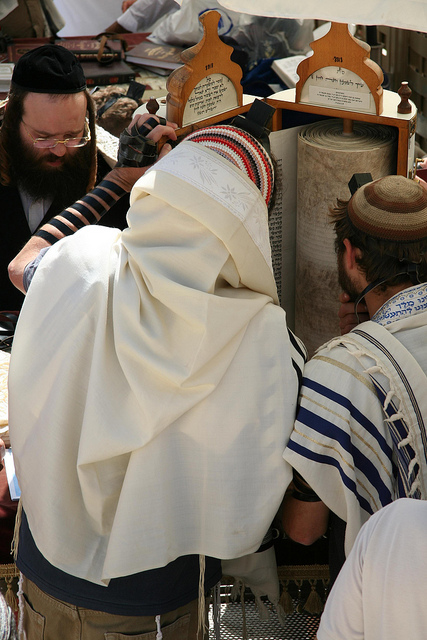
x=380 y=259
x=10 y=127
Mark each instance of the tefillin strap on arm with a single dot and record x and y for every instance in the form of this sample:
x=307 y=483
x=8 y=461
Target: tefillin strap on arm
x=87 y=210
x=135 y=149
x=257 y=122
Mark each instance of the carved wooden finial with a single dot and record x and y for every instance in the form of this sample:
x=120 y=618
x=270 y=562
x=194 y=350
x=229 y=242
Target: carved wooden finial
x=209 y=81
x=339 y=51
x=405 y=93
x=152 y=106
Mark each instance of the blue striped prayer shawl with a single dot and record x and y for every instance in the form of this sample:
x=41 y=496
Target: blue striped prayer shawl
x=359 y=439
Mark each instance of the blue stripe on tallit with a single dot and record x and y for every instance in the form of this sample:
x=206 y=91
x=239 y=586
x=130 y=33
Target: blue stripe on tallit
x=405 y=382
x=323 y=459
x=345 y=442
x=352 y=410
x=404 y=455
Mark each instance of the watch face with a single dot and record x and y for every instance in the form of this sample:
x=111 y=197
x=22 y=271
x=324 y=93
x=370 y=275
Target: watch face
x=338 y=88
x=214 y=94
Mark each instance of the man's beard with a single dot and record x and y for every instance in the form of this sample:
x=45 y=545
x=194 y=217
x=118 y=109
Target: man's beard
x=64 y=184
x=344 y=279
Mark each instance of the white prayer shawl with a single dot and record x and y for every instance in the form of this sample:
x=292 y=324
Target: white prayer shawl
x=359 y=453
x=151 y=385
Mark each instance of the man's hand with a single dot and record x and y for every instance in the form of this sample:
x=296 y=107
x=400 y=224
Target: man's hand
x=347 y=316
x=116 y=28
x=126 y=4
x=126 y=177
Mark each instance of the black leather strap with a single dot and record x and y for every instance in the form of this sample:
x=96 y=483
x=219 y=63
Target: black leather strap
x=135 y=149
x=49 y=237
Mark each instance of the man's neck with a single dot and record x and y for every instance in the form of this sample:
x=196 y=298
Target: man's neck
x=375 y=299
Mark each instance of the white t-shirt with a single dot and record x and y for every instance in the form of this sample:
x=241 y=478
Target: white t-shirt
x=380 y=593
x=143 y=14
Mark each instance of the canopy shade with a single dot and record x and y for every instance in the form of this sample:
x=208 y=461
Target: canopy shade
x=411 y=14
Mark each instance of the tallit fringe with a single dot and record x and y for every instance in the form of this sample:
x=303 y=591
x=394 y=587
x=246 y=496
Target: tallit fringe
x=159 y=634
x=281 y=614
x=405 y=442
x=235 y=590
x=216 y=606
x=389 y=398
x=393 y=418
x=21 y=608
x=201 y=628
x=263 y=612
x=244 y=625
x=374 y=369
x=283 y=605
x=238 y=589
x=415 y=486
x=15 y=539
x=392 y=393
x=10 y=597
x=411 y=466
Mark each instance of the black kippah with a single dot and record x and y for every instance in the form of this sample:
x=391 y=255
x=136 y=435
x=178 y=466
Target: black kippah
x=49 y=69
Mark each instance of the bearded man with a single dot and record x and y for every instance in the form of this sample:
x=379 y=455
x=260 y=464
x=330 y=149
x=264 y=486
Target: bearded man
x=48 y=156
x=359 y=441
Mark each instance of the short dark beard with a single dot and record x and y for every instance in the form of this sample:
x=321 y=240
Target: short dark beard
x=344 y=280
x=64 y=184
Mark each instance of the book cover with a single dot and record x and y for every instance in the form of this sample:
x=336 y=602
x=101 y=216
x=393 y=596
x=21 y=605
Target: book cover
x=164 y=56
x=6 y=70
x=86 y=49
x=116 y=73
x=19 y=46
x=286 y=69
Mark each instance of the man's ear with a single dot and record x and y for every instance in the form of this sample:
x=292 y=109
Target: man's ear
x=351 y=255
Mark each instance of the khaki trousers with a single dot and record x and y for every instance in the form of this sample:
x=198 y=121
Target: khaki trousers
x=46 y=618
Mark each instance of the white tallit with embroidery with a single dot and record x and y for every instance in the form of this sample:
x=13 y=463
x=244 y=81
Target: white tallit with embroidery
x=151 y=385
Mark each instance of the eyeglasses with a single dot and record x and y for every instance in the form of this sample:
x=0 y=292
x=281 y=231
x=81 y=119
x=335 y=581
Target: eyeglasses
x=50 y=143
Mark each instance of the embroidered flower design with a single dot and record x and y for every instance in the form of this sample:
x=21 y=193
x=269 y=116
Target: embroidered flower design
x=207 y=172
x=231 y=192
x=233 y=196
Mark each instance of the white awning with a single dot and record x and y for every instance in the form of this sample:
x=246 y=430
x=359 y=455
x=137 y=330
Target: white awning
x=411 y=14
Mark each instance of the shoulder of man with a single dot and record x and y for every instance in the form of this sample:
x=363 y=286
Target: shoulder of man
x=332 y=355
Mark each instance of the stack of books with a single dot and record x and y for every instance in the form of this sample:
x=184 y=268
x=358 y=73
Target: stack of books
x=110 y=69
x=6 y=70
x=159 y=58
